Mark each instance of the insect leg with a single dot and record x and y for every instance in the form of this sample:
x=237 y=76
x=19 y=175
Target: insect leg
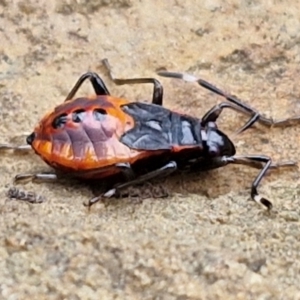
x=161 y=172
x=126 y=170
x=255 y=115
x=38 y=177
x=213 y=114
x=97 y=83
x=256 y=161
x=21 y=148
x=157 y=97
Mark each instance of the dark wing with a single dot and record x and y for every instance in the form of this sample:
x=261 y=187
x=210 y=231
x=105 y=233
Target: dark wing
x=157 y=128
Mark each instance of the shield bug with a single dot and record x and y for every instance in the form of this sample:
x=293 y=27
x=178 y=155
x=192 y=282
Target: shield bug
x=100 y=136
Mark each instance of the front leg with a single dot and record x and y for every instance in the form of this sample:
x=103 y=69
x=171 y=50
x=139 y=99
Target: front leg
x=264 y=163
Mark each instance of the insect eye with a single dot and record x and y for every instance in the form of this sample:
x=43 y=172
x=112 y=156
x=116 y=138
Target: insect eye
x=59 y=121
x=78 y=115
x=99 y=114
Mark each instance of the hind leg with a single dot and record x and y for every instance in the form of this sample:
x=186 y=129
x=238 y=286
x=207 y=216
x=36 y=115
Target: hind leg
x=157 y=97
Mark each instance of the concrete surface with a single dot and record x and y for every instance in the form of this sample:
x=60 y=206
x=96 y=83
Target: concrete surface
x=206 y=241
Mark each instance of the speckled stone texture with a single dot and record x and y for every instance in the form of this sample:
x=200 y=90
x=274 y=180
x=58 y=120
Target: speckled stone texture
x=205 y=241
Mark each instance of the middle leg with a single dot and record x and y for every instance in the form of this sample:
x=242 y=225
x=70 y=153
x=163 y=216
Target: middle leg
x=255 y=116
